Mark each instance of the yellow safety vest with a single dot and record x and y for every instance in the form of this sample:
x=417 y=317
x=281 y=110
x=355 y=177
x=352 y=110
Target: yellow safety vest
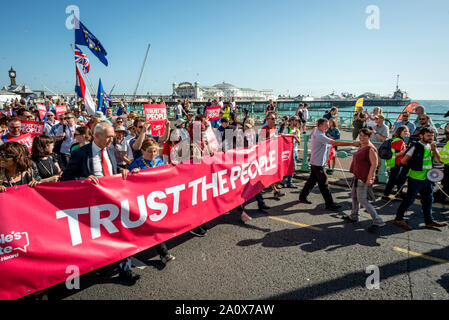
x=444 y=154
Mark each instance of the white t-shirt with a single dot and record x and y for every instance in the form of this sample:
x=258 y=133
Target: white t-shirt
x=179 y=110
x=320 y=149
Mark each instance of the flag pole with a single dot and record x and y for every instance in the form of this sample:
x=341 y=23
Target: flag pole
x=90 y=83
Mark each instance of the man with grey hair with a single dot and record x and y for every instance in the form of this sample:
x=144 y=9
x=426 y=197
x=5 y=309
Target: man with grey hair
x=96 y=160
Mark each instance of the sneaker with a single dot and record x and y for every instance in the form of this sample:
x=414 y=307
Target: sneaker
x=333 y=207
x=349 y=219
x=278 y=195
x=330 y=172
x=402 y=224
x=264 y=207
x=436 y=224
x=375 y=227
x=291 y=186
x=199 y=232
x=245 y=218
x=304 y=201
x=167 y=258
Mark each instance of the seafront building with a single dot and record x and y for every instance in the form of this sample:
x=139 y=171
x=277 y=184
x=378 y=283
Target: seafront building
x=187 y=90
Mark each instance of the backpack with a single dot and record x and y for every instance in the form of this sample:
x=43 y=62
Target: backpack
x=58 y=144
x=385 y=152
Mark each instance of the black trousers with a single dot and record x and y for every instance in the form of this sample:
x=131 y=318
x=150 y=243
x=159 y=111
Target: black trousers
x=317 y=174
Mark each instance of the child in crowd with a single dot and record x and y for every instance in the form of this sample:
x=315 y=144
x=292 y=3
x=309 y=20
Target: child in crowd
x=334 y=133
x=148 y=160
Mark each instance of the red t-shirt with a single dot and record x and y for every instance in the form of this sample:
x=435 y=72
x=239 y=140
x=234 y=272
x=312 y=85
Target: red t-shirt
x=398 y=146
x=361 y=163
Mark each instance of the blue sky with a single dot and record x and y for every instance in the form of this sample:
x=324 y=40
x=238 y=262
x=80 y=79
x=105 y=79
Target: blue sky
x=291 y=46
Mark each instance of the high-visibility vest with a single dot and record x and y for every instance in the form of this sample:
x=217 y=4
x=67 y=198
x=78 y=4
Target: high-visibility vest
x=444 y=154
x=391 y=163
x=226 y=112
x=426 y=166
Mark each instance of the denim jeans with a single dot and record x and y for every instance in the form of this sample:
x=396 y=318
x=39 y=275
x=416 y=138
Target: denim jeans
x=360 y=197
x=290 y=177
x=425 y=189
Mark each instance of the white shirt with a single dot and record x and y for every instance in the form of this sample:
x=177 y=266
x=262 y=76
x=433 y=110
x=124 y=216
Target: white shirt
x=306 y=113
x=98 y=168
x=179 y=110
x=69 y=139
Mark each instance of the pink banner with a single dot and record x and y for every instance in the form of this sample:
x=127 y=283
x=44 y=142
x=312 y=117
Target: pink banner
x=25 y=139
x=46 y=229
x=60 y=110
x=156 y=115
x=213 y=113
x=33 y=127
x=42 y=111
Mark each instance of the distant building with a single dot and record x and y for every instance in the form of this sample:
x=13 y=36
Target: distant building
x=13 y=88
x=186 y=90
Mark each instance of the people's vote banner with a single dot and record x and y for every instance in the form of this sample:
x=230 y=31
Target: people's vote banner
x=35 y=128
x=156 y=116
x=60 y=110
x=26 y=140
x=42 y=111
x=213 y=113
x=45 y=229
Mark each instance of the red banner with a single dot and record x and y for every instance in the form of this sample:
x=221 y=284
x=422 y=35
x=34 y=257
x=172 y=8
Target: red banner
x=118 y=218
x=156 y=115
x=213 y=113
x=33 y=127
x=26 y=139
x=60 y=110
x=42 y=111
x=409 y=108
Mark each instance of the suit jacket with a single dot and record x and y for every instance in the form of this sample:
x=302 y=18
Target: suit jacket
x=81 y=164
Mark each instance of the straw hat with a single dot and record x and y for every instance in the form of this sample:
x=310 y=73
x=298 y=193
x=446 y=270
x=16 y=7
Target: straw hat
x=249 y=123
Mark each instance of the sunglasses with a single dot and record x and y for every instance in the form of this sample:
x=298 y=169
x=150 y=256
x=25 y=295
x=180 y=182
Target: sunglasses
x=423 y=119
x=51 y=116
x=6 y=155
x=29 y=117
x=141 y=127
x=67 y=118
x=15 y=128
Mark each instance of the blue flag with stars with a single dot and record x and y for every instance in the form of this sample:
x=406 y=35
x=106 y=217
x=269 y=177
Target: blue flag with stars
x=102 y=103
x=84 y=37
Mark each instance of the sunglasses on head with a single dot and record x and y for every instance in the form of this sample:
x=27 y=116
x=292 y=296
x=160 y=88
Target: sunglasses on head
x=6 y=155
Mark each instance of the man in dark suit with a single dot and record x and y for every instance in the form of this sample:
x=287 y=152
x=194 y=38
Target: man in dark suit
x=96 y=160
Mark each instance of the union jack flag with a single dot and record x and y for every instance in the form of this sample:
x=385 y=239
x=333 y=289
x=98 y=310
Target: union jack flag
x=106 y=97
x=82 y=59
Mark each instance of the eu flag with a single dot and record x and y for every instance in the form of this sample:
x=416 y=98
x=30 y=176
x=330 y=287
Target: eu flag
x=102 y=104
x=84 y=37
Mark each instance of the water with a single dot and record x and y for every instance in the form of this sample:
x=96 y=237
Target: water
x=391 y=112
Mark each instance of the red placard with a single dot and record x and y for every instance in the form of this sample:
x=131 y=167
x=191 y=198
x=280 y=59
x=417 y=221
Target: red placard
x=35 y=128
x=213 y=113
x=42 y=110
x=156 y=115
x=25 y=139
x=158 y=127
x=60 y=110
x=119 y=218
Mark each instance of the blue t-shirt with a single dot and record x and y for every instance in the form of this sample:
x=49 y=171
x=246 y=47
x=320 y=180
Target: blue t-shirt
x=120 y=110
x=145 y=164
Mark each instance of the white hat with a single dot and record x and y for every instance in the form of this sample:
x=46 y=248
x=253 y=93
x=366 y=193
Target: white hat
x=179 y=122
x=99 y=115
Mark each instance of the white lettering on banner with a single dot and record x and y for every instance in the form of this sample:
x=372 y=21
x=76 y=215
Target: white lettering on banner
x=126 y=222
x=157 y=205
x=175 y=191
x=213 y=186
x=156 y=200
x=194 y=184
x=242 y=176
x=96 y=221
x=222 y=181
x=72 y=217
x=235 y=173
